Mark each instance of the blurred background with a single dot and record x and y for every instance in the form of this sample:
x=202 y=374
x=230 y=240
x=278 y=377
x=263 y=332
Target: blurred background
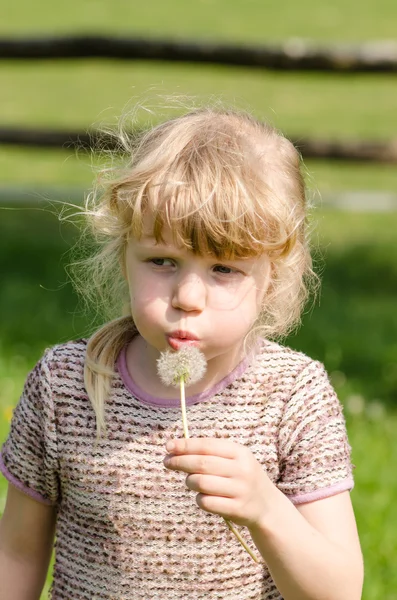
x=353 y=326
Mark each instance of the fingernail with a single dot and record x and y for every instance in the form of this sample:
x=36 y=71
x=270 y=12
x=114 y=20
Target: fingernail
x=170 y=446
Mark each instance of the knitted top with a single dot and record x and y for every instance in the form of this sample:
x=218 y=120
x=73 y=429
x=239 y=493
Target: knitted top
x=128 y=528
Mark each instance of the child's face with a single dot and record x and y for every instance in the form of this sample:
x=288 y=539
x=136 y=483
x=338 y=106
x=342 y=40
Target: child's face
x=176 y=295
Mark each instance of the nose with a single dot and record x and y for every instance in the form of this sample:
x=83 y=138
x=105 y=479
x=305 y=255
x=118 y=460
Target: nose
x=189 y=293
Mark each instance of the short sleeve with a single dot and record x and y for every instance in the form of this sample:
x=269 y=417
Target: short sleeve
x=29 y=455
x=314 y=452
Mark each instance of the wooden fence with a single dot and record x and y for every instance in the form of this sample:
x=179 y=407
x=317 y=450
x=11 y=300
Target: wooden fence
x=293 y=55
x=353 y=150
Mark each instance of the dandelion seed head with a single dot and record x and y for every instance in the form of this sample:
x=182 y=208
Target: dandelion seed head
x=188 y=363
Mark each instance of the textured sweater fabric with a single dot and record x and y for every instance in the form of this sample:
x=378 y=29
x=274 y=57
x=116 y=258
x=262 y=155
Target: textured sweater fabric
x=128 y=528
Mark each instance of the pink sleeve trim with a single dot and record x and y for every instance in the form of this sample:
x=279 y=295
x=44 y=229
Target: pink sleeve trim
x=326 y=492
x=22 y=487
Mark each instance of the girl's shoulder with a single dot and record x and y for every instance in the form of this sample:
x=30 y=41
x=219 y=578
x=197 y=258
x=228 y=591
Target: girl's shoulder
x=52 y=391
x=277 y=358
x=62 y=362
x=66 y=352
x=285 y=371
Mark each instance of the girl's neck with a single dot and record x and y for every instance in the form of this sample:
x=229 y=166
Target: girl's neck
x=142 y=367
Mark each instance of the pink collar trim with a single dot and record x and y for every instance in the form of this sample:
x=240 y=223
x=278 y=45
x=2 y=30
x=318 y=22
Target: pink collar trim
x=141 y=395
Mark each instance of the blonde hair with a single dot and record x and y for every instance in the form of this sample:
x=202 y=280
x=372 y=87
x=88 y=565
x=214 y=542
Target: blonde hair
x=224 y=183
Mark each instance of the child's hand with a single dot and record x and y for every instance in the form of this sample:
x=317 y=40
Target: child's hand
x=229 y=479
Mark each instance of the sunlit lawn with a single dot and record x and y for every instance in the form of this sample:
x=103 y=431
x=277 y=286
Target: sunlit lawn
x=254 y=20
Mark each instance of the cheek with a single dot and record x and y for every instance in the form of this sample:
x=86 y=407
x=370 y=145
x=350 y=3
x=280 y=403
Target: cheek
x=236 y=318
x=146 y=306
x=146 y=290
x=148 y=302
x=148 y=318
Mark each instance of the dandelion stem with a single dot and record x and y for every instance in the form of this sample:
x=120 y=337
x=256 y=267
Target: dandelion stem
x=183 y=407
x=186 y=435
x=241 y=540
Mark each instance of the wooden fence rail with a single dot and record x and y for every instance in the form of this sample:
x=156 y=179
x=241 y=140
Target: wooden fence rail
x=293 y=55
x=353 y=150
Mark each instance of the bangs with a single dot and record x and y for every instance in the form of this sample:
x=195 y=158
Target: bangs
x=209 y=209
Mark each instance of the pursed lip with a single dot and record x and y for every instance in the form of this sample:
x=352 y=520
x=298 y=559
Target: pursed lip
x=176 y=339
x=182 y=335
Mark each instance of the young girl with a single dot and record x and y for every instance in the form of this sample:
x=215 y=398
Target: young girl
x=203 y=233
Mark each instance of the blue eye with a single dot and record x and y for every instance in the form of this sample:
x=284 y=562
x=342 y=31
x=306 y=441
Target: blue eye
x=223 y=269
x=161 y=262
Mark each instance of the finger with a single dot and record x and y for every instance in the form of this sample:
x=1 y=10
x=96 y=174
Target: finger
x=189 y=463
x=218 y=505
x=211 y=446
x=211 y=485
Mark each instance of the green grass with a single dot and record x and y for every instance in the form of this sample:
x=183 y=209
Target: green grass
x=374 y=497
x=336 y=106
x=354 y=327
x=217 y=19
